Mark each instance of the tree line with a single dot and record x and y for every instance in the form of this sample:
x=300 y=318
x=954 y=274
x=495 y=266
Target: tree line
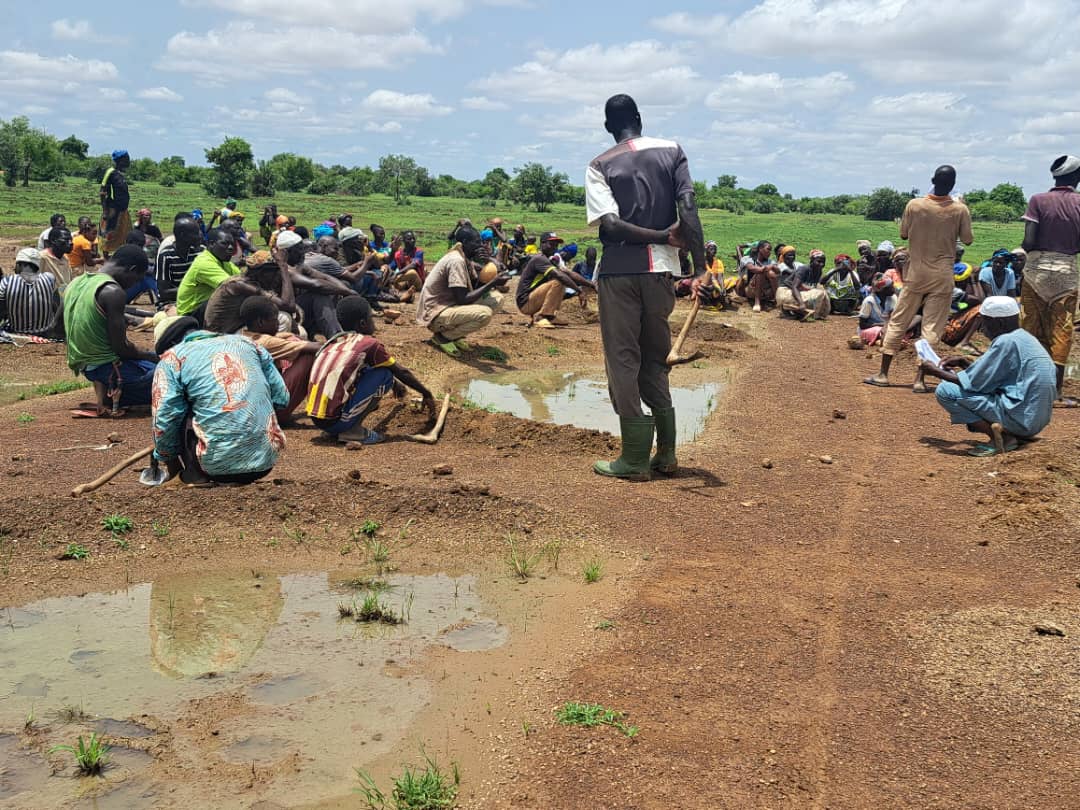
x=28 y=153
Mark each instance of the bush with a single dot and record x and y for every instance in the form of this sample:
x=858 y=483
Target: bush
x=885 y=204
x=990 y=211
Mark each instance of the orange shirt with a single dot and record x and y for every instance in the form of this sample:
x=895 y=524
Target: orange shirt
x=80 y=254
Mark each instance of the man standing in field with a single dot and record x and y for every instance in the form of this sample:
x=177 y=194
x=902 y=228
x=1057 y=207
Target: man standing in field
x=640 y=194
x=932 y=225
x=115 y=198
x=1052 y=241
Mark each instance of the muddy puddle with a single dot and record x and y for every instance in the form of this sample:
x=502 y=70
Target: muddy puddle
x=569 y=398
x=222 y=675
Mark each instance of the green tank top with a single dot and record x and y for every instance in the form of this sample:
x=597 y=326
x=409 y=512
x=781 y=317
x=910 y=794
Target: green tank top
x=84 y=323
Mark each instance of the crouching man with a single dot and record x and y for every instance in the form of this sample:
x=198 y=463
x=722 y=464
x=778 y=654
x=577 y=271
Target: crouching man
x=1008 y=393
x=213 y=406
x=352 y=372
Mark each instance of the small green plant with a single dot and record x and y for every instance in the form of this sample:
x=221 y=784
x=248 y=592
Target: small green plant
x=297 y=535
x=593 y=714
x=379 y=551
x=593 y=570
x=468 y=404
x=526 y=728
x=422 y=788
x=699 y=364
x=24 y=418
x=604 y=624
x=521 y=560
x=346 y=611
x=160 y=528
x=494 y=354
x=117 y=524
x=553 y=351
x=75 y=552
x=370 y=528
x=371 y=610
x=553 y=550
x=366 y=584
x=28 y=724
x=91 y=757
x=120 y=542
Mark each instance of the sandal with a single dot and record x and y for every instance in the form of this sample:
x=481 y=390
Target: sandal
x=875 y=382
x=1066 y=402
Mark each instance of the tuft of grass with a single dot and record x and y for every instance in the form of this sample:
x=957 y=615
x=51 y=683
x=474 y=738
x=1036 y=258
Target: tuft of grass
x=468 y=404
x=519 y=559
x=372 y=610
x=31 y=718
x=366 y=584
x=160 y=528
x=117 y=524
x=494 y=354
x=422 y=788
x=379 y=551
x=75 y=552
x=346 y=611
x=370 y=528
x=553 y=550
x=604 y=624
x=24 y=418
x=593 y=714
x=553 y=351
x=69 y=713
x=593 y=570
x=90 y=757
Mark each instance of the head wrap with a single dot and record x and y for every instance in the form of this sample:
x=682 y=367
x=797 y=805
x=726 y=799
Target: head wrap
x=196 y=213
x=30 y=256
x=349 y=233
x=817 y=254
x=886 y=247
x=258 y=257
x=999 y=306
x=900 y=251
x=497 y=221
x=570 y=250
x=1019 y=252
x=843 y=257
x=230 y=203
x=288 y=239
x=710 y=243
x=863 y=243
x=486 y=234
x=1069 y=164
x=144 y=212
x=962 y=271
x=881 y=282
x=321 y=231
x=171 y=331
x=119 y=153
x=281 y=220
x=786 y=249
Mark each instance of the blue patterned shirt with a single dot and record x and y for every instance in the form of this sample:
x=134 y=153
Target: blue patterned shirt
x=229 y=387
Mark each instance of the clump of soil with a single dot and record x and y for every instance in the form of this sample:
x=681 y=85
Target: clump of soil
x=505 y=432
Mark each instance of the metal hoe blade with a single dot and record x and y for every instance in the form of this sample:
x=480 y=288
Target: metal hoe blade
x=153 y=476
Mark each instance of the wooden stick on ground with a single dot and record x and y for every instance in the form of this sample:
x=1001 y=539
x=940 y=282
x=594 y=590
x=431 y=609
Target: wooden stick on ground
x=432 y=435
x=82 y=489
x=675 y=355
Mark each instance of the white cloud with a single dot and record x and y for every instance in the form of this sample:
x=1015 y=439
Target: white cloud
x=893 y=40
x=72 y=29
x=650 y=71
x=921 y=107
x=23 y=72
x=112 y=93
x=387 y=128
x=687 y=25
x=302 y=51
x=284 y=95
x=739 y=92
x=390 y=102
x=483 y=104
x=160 y=94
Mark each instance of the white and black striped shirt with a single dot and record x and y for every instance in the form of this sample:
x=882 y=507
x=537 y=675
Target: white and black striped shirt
x=30 y=305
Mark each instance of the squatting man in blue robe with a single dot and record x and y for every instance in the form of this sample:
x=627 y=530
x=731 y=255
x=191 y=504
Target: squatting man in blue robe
x=1008 y=393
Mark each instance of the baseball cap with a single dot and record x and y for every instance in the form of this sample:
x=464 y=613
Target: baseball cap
x=551 y=236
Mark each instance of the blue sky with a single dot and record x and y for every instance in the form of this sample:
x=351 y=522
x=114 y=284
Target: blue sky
x=816 y=96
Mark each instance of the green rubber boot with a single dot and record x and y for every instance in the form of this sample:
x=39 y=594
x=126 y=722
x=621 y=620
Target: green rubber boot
x=633 y=463
x=664 y=461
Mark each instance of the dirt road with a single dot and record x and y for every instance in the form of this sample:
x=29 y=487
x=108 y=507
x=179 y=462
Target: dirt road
x=794 y=633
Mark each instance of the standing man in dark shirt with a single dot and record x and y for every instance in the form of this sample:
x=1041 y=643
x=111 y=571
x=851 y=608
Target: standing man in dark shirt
x=1048 y=296
x=115 y=219
x=640 y=194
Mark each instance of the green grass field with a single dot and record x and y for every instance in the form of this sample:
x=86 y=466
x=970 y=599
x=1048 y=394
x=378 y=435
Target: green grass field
x=25 y=211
